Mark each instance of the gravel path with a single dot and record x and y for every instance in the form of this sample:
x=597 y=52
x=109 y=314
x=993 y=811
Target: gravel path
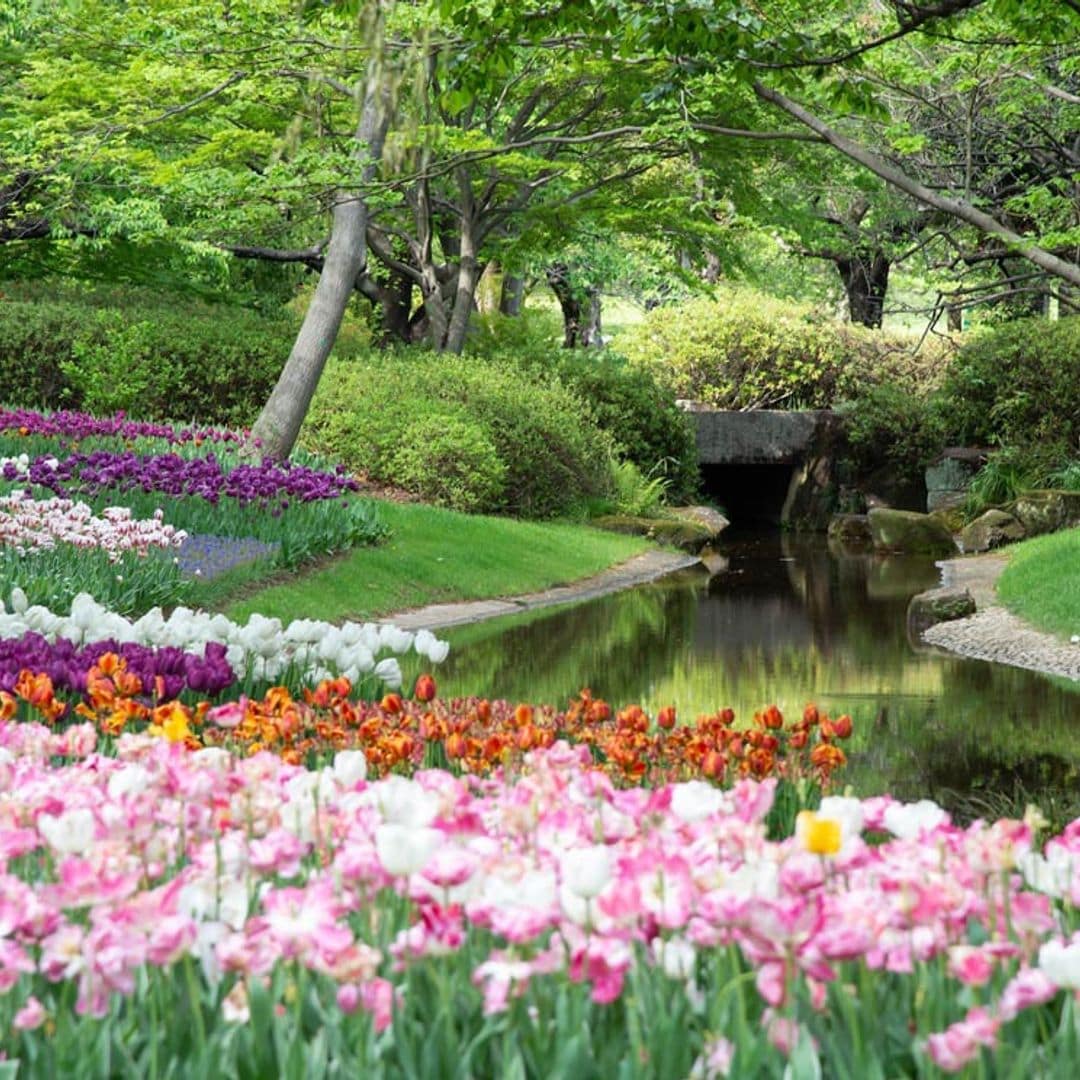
x=994 y=633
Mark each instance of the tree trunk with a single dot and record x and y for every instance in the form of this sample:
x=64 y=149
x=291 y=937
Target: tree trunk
x=592 y=336
x=513 y=294
x=395 y=310
x=278 y=425
x=469 y=269
x=558 y=277
x=865 y=275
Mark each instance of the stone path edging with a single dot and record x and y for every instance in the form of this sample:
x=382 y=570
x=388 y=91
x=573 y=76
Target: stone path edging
x=639 y=570
x=994 y=633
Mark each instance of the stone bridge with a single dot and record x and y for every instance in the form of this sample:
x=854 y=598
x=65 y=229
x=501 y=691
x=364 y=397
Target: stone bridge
x=768 y=466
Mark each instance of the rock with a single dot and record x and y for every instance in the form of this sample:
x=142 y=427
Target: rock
x=935 y=606
x=1046 y=511
x=714 y=562
x=909 y=532
x=991 y=530
x=850 y=532
x=948 y=479
x=685 y=535
x=711 y=519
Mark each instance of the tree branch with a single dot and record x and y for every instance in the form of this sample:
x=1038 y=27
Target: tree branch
x=892 y=175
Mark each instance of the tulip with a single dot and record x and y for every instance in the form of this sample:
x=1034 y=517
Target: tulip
x=424 y=689
x=665 y=718
x=403 y=849
x=585 y=871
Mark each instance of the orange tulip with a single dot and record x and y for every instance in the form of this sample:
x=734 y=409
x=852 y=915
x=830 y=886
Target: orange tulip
x=424 y=689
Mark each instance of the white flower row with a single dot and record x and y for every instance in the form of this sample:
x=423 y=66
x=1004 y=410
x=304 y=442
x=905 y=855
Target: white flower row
x=37 y=524
x=262 y=647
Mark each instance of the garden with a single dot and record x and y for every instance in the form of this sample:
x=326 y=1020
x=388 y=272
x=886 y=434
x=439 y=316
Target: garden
x=320 y=322
x=262 y=850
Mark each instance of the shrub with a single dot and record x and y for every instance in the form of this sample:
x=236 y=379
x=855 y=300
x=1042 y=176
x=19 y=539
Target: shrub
x=552 y=455
x=1018 y=385
x=449 y=460
x=628 y=401
x=889 y=424
x=156 y=355
x=749 y=351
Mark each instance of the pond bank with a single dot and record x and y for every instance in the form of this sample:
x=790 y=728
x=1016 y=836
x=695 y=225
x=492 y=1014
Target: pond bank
x=639 y=570
x=994 y=633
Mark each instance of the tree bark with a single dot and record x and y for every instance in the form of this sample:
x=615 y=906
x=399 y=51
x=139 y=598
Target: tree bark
x=513 y=294
x=278 y=425
x=592 y=336
x=890 y=174
x=865 y=275
x=395 y=309
x=558 y=277
x=469 y=270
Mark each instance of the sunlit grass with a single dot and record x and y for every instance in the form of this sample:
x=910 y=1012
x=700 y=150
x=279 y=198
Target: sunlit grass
x=439 y=556
x=1042 y=582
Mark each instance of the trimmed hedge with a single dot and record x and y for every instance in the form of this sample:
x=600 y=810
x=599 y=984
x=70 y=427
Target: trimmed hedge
x=160 y=357
x=465 y=432
x=1018 y=385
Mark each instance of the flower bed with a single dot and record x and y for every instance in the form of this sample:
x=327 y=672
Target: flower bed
x=241 y=512
x=238 y=850
x=258 y=652
x=197 y=911
x=75 y=426
x=32 y=524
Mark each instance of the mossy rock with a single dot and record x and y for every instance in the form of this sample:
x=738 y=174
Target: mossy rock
x=1046 y=511
x=938 y=605
x=909 y=533
x=687 y=535
x=705 y=516
x=991 y=530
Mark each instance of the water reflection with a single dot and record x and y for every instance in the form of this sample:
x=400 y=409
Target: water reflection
x=789 y=623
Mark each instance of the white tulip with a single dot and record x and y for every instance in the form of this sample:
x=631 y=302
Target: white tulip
x=350 y=767
x=1061 y=964
x=585 y=871
x=695 y=800
x=69 y=833
x=404 y=802
x=910 y=820
x=390 y=673
x=405 y=850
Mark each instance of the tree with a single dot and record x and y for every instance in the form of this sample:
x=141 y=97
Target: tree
x=398 y=165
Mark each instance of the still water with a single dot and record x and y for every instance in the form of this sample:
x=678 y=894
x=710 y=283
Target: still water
x=786 y=622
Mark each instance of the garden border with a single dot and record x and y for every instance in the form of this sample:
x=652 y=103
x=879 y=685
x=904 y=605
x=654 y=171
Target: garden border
x=638 y=570
x=994 y=633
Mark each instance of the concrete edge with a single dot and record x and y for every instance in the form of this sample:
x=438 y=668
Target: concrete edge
x=641 y=569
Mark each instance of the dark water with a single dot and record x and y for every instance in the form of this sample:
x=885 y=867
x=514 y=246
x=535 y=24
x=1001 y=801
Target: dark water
x=788 y=623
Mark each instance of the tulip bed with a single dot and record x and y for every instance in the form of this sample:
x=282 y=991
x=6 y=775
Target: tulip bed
x=153 y=508
x=245 y=851
x=169 y=911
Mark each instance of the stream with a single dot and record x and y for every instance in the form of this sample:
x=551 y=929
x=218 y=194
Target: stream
x=787 y=622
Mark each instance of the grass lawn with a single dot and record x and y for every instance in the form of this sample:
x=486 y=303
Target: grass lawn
x=439 y=556
x=1042 y=582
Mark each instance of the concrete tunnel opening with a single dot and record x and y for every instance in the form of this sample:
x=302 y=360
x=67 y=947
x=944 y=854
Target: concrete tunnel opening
x=752 y=496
